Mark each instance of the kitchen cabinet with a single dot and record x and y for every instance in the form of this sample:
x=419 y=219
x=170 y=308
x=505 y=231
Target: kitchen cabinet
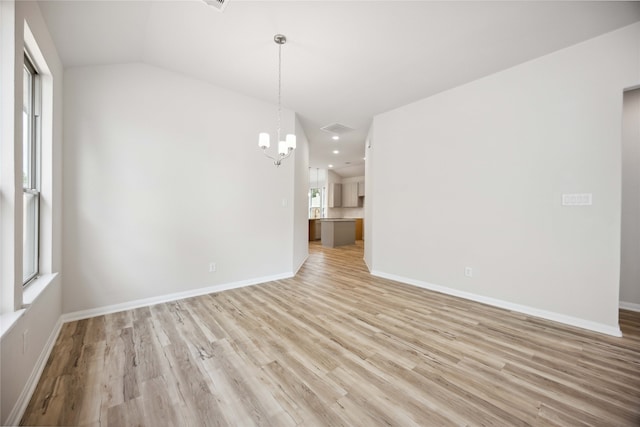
x=350 y=195
x=314 y=229
x=335 y=195
x=359 y=229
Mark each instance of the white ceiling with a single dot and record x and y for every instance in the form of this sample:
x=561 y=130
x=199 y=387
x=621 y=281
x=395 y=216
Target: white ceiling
x=344 y=62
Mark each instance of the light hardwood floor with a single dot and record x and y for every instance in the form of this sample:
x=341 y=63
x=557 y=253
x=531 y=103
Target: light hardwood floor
x=336 y=346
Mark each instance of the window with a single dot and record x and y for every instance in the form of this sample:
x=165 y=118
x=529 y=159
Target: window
x=316 y=196
x=30 y=171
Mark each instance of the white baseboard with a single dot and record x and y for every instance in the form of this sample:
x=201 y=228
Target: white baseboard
x=301 y=264
x=630 y=306
x=30 y=387
x=544 y=314
x=145 y=302
x=366 y=265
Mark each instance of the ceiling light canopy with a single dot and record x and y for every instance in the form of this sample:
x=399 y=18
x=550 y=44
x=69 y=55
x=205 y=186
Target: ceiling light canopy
x=217 y=4
x=288 y=144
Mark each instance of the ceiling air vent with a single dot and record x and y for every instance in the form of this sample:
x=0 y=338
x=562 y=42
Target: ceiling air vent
x=336 y=128
x=217 y=4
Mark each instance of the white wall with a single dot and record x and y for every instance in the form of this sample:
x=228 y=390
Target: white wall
x=19 y=369
x=630 y=253
x=483 y=167
x=301 y=207
x=163 y=175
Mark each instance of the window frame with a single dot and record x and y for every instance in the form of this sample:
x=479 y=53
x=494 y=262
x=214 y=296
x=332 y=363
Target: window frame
x=32 y=186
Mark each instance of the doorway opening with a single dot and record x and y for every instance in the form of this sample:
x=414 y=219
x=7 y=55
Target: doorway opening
x=337 y=198
x=630 y=224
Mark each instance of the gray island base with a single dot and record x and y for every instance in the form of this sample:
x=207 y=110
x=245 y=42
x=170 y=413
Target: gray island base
x=338 y=232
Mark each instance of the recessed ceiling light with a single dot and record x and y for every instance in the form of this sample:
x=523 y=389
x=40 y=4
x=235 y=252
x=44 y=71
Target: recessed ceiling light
x=336 y=152
x=364 y=158
x=335 y=137
x=330 y=166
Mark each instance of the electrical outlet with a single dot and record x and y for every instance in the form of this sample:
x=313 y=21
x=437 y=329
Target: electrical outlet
x=468 y=271
x=212 y=267
x=25 y=341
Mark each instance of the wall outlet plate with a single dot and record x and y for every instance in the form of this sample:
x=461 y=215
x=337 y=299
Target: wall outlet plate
x=468 y=272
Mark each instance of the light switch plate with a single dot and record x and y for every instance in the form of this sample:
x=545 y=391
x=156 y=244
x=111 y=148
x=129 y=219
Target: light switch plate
x=577 y=199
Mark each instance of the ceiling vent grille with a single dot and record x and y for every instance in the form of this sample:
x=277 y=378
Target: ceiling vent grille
x=217 y=4
x=337 y=128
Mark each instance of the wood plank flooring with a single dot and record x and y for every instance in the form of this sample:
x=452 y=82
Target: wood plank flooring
x=335 y=346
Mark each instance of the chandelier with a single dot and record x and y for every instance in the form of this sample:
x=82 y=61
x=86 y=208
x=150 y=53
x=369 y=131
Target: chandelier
x=288 y=144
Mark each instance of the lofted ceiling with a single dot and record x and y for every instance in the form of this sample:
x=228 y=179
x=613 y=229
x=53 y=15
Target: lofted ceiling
x=344 y=62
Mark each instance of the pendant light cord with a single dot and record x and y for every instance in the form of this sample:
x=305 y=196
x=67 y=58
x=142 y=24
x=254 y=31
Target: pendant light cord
x=279 y=87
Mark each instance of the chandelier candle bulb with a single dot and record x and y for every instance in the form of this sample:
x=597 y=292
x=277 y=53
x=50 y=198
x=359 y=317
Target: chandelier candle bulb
x=282 y=148
x=263 y=140
x=291 y=141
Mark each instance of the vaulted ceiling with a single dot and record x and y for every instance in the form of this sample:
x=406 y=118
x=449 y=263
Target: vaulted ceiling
x=344 y=62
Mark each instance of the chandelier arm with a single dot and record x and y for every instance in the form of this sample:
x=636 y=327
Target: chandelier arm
x=264 y=151
x=289 y=151
x=284 y=156
x=279 y=158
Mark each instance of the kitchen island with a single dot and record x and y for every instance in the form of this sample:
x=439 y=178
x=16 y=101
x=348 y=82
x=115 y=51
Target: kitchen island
x=338 y=232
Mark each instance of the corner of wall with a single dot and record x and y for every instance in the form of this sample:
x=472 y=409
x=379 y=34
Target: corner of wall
x=301 y=201
x=369 y=178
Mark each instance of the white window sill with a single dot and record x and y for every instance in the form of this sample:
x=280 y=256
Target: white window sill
x=36 y=288
x=29 y=295
x=8 y=321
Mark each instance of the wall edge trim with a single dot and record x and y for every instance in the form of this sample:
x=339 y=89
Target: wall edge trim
x=532 y=311
x=301 y=264
x=364 y=259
